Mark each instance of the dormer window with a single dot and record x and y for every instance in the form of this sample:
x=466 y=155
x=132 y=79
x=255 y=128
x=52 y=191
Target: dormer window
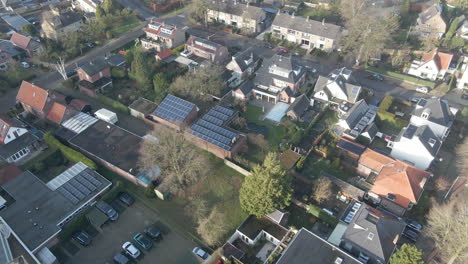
x=426 y=113
x=431 y=142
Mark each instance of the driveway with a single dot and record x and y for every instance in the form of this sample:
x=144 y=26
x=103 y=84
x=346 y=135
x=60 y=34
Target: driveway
x=172 y=249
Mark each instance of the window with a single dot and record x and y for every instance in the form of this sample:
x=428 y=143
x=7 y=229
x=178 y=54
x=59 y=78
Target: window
x=305 y=42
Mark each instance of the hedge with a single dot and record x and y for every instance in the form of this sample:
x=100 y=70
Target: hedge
x=70 y=154
x=177 y=50
x=113 y=104
x=386 y=103
x=322 y=215
x=401 y=76
x=396 y=121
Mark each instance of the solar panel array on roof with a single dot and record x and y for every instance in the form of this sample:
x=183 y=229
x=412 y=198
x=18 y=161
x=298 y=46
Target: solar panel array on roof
x=80 y=186
x=173 y=109
x=210 y=127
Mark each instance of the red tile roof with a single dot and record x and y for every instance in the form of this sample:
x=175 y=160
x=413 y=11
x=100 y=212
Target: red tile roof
x=441 y=59
x=374 y=160
x=32 y=95
x=59 y=112
x=19 y=40
x=8 y=173
x=164 y=54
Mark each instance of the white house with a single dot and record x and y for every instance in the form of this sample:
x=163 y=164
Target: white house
x=15 y=140
x=434 y=113
x=432 y=66
x=416 y=145
x=338 y=87
x=358 y=119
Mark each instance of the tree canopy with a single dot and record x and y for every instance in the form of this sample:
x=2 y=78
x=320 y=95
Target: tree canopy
x=29 y=29
x=267 y=188
x=407 y=254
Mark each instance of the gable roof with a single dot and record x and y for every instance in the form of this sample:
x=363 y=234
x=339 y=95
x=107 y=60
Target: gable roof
x=430 y=13
x=300 y=105
x=203 y=44
x=245 y=11
x=344 y=80
x=174 y=109
x=374 y=160
x=424 y=134
x=5 y=124
x=20 y=40
x=405 y=182
x=246 y=87
x=354 y=115
x=164 y=54
x=442 y=60
x=438 y=109
x=245 y=58
x=8 y=47
x=280 y=63
x=374 y=231
x=309 y=26
x=95 y=66
x=59 y=112
x=32 y=95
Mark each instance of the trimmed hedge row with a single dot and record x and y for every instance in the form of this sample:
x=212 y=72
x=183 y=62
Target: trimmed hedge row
x=322 y=215
x=113 y=104
x=69 y=153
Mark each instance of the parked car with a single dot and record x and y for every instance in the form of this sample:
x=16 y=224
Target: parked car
x=219 y=261
x=131 y=250
x=82 y=238
x=414 y=225
x=108 y=210
x=415 y=99
x=90 y=44
x=122 y=259
x=376 y=76
x=281 y=50
x=422 y=89
x=410 y=234
x=25 y=65
x=143 y=241
x=153 y=232
x=268 y=45
x=200 y=253
x=126 y=198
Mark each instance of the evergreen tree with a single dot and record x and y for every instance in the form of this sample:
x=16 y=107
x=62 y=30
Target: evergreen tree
x=160 y=85
x=99 y=12
x=29 y=29
x=109 y=6
x=267 y=188
x=407 y=254
x=140 y=69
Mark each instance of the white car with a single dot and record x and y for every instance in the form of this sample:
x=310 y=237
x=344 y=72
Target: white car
x=422 y=89
x=200 y=253
x=131 y=250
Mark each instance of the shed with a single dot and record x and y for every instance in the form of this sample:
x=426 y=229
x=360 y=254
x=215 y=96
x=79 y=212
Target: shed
x=141 y=107
x=96 y=217
x=289 y=158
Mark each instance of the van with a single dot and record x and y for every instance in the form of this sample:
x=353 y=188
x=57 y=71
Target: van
x=106 y=115
x=108 y=210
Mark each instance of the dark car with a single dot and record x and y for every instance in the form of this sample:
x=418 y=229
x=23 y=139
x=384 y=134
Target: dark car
x=411 y=234
x=376 y=77
x=122 y=259
x=268 y=46
x=83 y=238
x=108 y=210
x=126 y=198
x=143 y=241
x=153 y=232
x=414 y=225
x=464 y=96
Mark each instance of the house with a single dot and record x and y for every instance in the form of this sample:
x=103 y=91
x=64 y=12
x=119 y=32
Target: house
x=175 y=112
x=116 y=60
x=34 y=99
x=298 y=107
x=60 y=112
x=95 y=77
x=366 y=233
x=436 y=114
x=307 y=246
x=16 y=142
x=372 y=162
x=57 y=24
x=430 y=23
x=244 y=91
x=359 y=120
x=164 y=55
x=344 y=191
x=255 y=238
x=161 y=36
x=38 y=207
x=337 y=88
x=416 y=145
x=432 y=66
x=15 y=21
x=206 y=49
x=7 y=47
x=349 y=150
x=141 y=108
x=248 y=18
x=308 y=33
x=278 y=79
x=5 y=60
x=29 y=45
x=88 y=6
x=211 y=133
x=243 y=65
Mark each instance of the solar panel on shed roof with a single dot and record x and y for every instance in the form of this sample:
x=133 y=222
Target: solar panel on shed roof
x=173 y=108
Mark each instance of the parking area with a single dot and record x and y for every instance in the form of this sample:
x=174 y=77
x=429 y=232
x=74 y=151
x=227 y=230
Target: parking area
x=173 y=248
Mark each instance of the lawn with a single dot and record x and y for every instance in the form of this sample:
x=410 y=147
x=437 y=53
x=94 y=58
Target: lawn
x=299 y=218
x=275 y=133
x=124 y=26
x=314 y=165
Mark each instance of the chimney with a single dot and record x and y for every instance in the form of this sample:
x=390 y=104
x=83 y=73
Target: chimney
x=293 y=14
x=323 y=22
x=307 y=18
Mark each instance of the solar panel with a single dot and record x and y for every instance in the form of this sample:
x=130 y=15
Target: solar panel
x=68 y=195
x=217 y=114
x=72 y=189
x=91 y=178
x=80 y=187
x=224 y=110
x=217 y=129
x=213 y=120
x=86 y=183
x=173 y=108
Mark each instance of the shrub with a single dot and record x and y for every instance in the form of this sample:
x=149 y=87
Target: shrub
x=335 y=163
x=386 y=103
x=70 y=154
x=149 y=191
x=118 y=73
x=178 y=50
x=113 y=104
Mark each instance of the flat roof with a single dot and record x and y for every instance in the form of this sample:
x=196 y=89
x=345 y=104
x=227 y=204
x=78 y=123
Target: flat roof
x=143 y=105
x=111 y=144
x=37 y=210
x=306 y=247
x=252 y=226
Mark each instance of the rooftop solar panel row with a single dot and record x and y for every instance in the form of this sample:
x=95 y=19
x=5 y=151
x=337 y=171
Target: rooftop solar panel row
x=173 y=108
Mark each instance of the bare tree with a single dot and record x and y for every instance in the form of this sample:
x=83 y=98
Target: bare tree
x=181 y=164
x=448 y=227
x=462 y=158
x=213 y=228
x=259 y=141
x=60 y=67
x=322 y=189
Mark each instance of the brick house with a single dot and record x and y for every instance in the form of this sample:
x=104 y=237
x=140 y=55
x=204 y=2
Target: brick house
x=243 y=65
x=245 y=17
x=29 y=45
x=94 y=77
x=161 y=36
x=34 y=99
x=430 y=23
x=209 y=50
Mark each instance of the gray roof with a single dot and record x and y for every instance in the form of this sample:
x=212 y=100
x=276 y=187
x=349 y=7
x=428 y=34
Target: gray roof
x=15 y=21
x=174 y=109
x=95 y=66
x=309 y=26
x=7 y=46
x=349 y=86
x=357 y=111
x=430 y=13
x=423 y=134
x=246 y=58
x=62 y=20
x=439 y=111
x=37 y=210
x=372 y=130
x=282 y=63
x=116 y=59
x=374 y=232
x=306 y=247
x=245 y=11
x=252 y=226
x=300 y=105
x=351 y=146
x=16 y=145
x=246 y=87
